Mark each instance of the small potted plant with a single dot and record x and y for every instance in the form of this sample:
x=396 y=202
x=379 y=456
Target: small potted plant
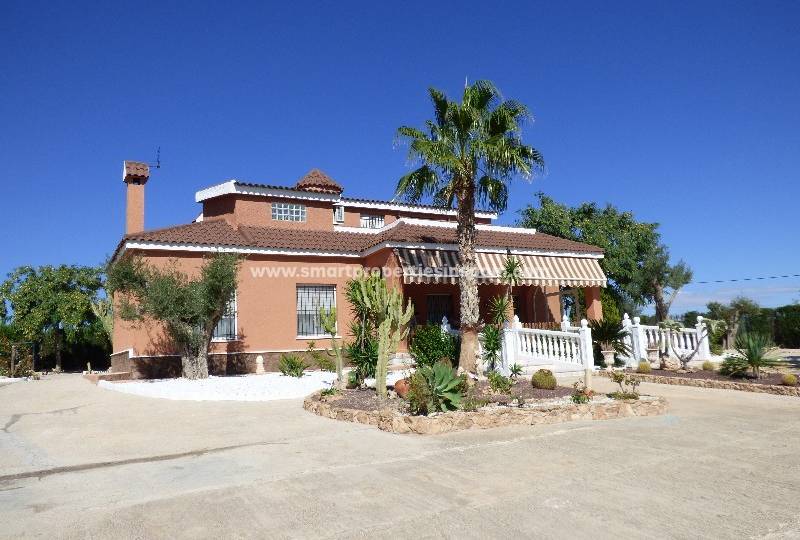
x=610 y=336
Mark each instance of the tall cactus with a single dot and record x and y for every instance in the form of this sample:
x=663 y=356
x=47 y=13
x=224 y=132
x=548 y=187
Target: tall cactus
x=391 y=319
x=327 y=318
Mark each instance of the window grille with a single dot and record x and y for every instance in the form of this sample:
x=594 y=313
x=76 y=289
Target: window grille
x=288 y=212
x=371 y=221
x=226 y=327
x=310 y=298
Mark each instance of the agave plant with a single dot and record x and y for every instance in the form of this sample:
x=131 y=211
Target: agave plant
x=435 y=388
x=753 y=350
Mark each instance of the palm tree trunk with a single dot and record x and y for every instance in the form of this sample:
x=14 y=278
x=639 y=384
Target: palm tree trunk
x=468 y=282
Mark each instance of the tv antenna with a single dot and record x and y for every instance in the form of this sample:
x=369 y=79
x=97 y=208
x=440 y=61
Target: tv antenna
x=157 y=164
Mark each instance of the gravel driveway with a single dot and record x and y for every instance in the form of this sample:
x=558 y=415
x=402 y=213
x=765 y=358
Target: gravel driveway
x=78 y=461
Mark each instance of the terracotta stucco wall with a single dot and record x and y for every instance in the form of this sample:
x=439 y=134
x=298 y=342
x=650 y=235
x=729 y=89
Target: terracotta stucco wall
x=266 y=303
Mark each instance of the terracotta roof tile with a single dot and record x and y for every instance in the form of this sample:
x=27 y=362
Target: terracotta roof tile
x=219 y=232
x=316 y=180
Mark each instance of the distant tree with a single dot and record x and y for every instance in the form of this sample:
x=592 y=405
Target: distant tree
x=787 y=326
x=661 y=281
x=188 y=308
x=635 y=262
x=51 y=304
x=468 y=154
x=732 y=313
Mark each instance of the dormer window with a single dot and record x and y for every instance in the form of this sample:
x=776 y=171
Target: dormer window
x=370 y=221
x=288 y=212
x=338 y=214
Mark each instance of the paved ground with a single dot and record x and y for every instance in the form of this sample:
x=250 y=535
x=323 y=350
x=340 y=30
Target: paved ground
x=78 y=461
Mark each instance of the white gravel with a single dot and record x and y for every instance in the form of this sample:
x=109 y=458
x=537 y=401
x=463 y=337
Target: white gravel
x=267 y=387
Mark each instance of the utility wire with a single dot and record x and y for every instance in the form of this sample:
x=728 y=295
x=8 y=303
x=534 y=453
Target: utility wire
x=746 y=279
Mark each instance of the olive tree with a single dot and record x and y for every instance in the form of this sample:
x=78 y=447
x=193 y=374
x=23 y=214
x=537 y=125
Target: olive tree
x=188 y=308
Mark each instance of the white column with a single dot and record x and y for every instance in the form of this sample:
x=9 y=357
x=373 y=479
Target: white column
x=587 y=352
x=639 y=340
x=704 y=351
x=509 y=353
x=630 y=358
x=565 y=324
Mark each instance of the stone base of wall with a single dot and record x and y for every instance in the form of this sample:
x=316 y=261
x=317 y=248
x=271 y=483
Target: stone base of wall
x=488 y=417
x=712 y=383
x=220 y=364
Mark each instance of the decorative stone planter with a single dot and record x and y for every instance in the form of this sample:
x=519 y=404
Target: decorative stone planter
x=608 y=358
x=552 y=412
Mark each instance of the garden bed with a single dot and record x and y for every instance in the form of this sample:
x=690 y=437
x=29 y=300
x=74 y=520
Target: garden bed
x=768 y=384
x=363 y=407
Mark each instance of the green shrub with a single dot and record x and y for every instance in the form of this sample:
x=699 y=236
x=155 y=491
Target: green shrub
x=544 y=379
x=499 y=383
x=492 y=345
x=429 y=345
x=789 y=379
x=580 y=393
x=363 y=357
x=435 y=388
x=291 y=365
x=472 y=403
x=708 y=365
x=516 y=370
x=644 y=367
x=332 y=391
x=733 y=366
x=627 y=386
x=322 y=360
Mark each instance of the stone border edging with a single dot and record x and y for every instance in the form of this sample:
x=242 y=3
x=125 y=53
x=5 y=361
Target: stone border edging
x=490 y=417
x=776 y=389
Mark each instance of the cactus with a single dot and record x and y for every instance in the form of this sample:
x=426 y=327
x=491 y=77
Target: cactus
x=327 y=318
x=391 y=320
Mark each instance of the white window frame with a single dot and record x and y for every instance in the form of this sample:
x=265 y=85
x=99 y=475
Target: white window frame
x=235 y=321
x=282 y=211
x=338 y=214
x=322 y=335
x=369 y=221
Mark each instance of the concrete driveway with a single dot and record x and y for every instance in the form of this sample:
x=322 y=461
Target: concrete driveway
x=78 y=461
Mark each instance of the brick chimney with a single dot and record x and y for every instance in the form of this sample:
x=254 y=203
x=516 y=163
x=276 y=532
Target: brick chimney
x=135 y=174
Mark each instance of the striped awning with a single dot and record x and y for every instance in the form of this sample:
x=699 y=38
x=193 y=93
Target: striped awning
x=441 y=266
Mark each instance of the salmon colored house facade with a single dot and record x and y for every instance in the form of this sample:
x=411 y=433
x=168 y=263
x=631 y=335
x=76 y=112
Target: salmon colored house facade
x=301 y=244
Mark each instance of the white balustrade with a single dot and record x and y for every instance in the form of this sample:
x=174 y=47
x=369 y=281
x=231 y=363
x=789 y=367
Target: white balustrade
x=641 y=337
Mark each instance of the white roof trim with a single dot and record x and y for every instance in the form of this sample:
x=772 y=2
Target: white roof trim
x=407 y=208
x=166 y=246
x=236 y=187
x=454 y=247
x=478 y=226
x=431 y=223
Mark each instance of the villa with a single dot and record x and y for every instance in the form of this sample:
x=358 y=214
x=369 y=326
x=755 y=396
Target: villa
x=300 y=245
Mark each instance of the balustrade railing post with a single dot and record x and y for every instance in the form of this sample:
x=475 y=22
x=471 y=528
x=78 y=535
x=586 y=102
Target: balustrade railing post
x=704 y=351
x=638 y=341
x=587 y=352
x=508 y=356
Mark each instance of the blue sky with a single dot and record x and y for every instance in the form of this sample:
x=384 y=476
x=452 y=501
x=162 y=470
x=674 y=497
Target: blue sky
x=685 y=113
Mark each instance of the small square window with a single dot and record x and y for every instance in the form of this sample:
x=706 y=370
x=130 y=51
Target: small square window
x=288 y=212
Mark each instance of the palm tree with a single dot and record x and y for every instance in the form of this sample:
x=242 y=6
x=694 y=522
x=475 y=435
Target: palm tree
x=510 y=276
x=468 y=154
